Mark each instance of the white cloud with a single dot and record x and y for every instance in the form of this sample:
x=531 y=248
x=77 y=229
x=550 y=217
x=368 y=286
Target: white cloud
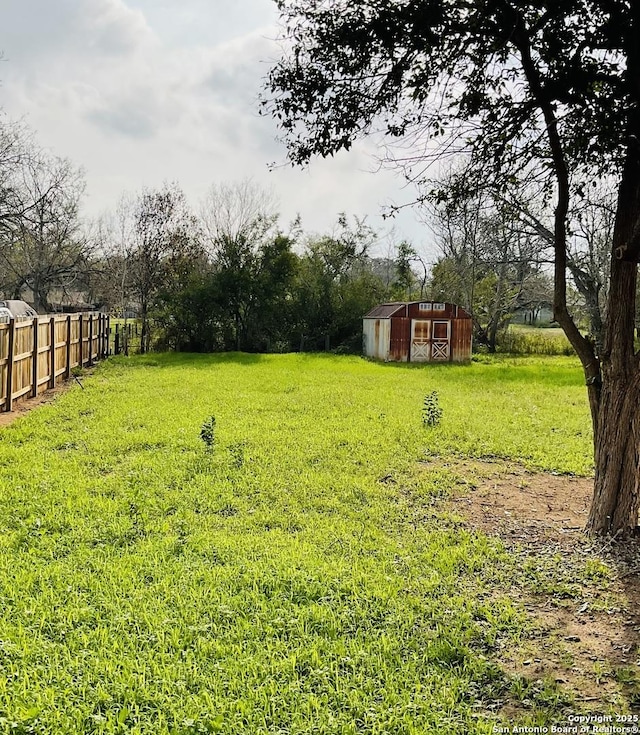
x=113 y=29
x=143 y=91
x=40 y=34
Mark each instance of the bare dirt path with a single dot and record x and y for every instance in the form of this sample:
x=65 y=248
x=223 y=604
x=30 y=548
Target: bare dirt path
x=21 y=408
x=588 y=641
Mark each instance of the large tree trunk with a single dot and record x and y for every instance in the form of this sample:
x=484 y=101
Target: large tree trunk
x=617 y=429
x=616 y=491
x=40 y=297
x=616 y=423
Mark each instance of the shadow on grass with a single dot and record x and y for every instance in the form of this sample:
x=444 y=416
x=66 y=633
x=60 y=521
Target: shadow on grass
x=503 y=368
x=193 y=359
x=201 y=359
x=206 y=360
x=188 y=359
x=421 y=365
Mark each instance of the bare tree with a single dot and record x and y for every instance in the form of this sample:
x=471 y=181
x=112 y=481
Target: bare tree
x=17 y=150
x=590 y=223
x=488 y=264
x=163 y=232
x=588 y=256
x=241 y=210
x=113 y=235
x=239 y=220
x=42 y=245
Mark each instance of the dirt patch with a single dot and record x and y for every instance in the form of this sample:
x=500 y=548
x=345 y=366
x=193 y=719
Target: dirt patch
x=586 y=611
x=513 y=501
x=22 y=407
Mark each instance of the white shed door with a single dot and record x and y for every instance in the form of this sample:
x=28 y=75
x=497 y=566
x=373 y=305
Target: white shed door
x=441 y=340
x=420 y=340
x=430 y=340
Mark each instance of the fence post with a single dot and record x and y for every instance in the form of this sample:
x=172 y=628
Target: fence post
x=52 y=351
x=80 y=340
x=90 y=340
x=34 y=369
x=12 y=337
x=68 y=371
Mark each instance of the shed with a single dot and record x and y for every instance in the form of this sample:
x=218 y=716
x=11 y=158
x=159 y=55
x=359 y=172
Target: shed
x=417 y=331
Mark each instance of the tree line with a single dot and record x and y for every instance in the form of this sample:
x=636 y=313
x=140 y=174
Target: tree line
x=228 y=277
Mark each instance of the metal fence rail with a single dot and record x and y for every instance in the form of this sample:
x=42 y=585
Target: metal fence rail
x=38 y=353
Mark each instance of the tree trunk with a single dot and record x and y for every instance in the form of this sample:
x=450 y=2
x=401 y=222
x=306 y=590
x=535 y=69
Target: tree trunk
x=616 y=423
x=40 y=297
x=237 y=323
x=144 y=334
x=616 y=491
x=496 y=316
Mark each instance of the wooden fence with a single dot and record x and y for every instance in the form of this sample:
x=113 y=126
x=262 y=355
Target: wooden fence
x=37 y=354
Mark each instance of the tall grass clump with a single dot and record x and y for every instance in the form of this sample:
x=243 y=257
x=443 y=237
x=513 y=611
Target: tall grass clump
x=208 y=433
x=535 y=342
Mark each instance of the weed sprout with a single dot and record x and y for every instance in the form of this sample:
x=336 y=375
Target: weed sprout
x=431 y=411
x=208 y=433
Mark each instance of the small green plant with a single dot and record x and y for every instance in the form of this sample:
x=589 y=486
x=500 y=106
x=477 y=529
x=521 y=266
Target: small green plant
x=208 y=433
x=431 y=411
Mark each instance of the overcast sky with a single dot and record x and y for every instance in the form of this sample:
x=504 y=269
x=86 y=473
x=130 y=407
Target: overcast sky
x=138 y=92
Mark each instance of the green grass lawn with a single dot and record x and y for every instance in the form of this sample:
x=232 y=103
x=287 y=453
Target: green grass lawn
x=299 y=578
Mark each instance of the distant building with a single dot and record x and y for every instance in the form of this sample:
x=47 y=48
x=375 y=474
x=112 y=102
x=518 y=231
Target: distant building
x=61 y=300
x=540 y=315
x=417 y=331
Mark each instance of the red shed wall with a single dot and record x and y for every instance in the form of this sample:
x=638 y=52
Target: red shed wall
x=461 y=340
x=429 y=337
x=429 y=328
x=400 y=339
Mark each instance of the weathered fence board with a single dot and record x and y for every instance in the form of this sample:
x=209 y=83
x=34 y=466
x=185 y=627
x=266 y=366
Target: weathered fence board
x=36 y=355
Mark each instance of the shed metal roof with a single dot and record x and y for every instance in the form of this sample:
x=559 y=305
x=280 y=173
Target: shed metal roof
x=384 y=310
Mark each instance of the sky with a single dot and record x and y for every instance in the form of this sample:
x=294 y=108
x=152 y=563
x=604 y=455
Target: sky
x=141 y=92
